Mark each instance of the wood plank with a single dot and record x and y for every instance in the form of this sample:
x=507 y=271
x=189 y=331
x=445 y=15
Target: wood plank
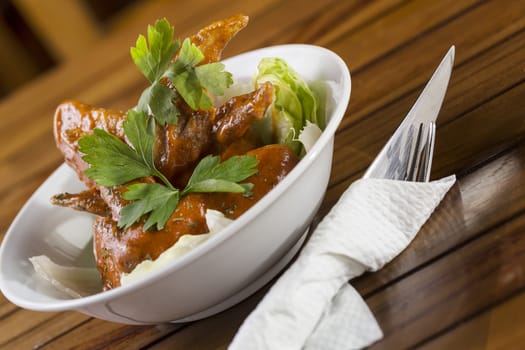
x=385 y=79
x=6 y=307
x=218 y=329
x=274 y=25
x=403 y=24
x=459 y=145
x=474 y=277
x=189 y=16
x=20 y=322
x=65 y=36
x=493 y=72
x=17 y=67
x=98 y=334
x=500 y=327
x=350 y=16
x=470 y=143
x=44 y=333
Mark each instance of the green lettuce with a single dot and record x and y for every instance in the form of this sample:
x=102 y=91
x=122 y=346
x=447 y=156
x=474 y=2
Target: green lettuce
x=294 y=103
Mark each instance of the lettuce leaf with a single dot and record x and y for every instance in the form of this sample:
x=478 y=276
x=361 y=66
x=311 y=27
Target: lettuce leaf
x=294 y=102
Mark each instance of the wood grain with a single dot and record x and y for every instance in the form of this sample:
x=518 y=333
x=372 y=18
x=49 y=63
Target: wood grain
x=444 y=293
x=499 y=327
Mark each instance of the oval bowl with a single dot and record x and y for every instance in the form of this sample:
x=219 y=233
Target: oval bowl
x=222 y=271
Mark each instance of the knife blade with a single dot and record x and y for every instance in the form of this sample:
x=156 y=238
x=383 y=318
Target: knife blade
x=393 y=160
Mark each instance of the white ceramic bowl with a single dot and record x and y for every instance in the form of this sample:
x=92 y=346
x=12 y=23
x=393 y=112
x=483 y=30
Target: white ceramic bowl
x=217 y=274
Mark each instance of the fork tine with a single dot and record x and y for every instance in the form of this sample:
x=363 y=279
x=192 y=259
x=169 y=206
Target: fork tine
x=428 y=153
x=415 y=156
x=422 y=153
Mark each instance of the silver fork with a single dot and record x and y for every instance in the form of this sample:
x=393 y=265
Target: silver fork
x=409 y=158
x=421 y=154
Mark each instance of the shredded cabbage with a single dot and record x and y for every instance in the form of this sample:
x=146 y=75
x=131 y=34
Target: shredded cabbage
x=75 y=281
x=309 y=135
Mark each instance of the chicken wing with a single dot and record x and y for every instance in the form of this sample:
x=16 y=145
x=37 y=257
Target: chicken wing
x=212 y=39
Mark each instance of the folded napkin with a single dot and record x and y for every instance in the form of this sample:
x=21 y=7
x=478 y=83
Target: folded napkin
x=312 y=305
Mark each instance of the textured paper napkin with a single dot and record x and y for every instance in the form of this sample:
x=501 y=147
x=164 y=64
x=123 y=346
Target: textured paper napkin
x=312 y=305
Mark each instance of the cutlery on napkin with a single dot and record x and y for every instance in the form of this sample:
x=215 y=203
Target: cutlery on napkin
x=312 y=305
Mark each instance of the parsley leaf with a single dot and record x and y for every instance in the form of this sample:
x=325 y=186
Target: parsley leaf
x=193 y=82
x=190 y=82
x=153 y=60
x=112 y=162
x=157 y=100
x=214 y=78
x=160 y=201
x=140 y=132
x=211 y=176
x=153 y=198
x=189 y=56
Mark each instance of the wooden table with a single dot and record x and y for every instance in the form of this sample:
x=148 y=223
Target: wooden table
x=459 y=285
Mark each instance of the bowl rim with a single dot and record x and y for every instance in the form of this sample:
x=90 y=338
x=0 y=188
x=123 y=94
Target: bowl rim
x=103 y=297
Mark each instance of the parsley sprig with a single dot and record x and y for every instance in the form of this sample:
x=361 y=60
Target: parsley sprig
x=114 y=162
x=192 y=82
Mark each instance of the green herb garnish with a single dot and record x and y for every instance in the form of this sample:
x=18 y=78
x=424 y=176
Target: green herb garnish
x=113 y=162
x=161 y=201
x=191 y=81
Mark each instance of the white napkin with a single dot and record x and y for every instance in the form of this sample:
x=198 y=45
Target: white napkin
x=312 y=305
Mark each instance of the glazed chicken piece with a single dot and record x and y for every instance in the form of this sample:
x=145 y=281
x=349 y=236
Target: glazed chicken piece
x=179 y=146
x=98 y=200
x=89 y=201
x=212 y=39
x=74 y=120
x=234 y=119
